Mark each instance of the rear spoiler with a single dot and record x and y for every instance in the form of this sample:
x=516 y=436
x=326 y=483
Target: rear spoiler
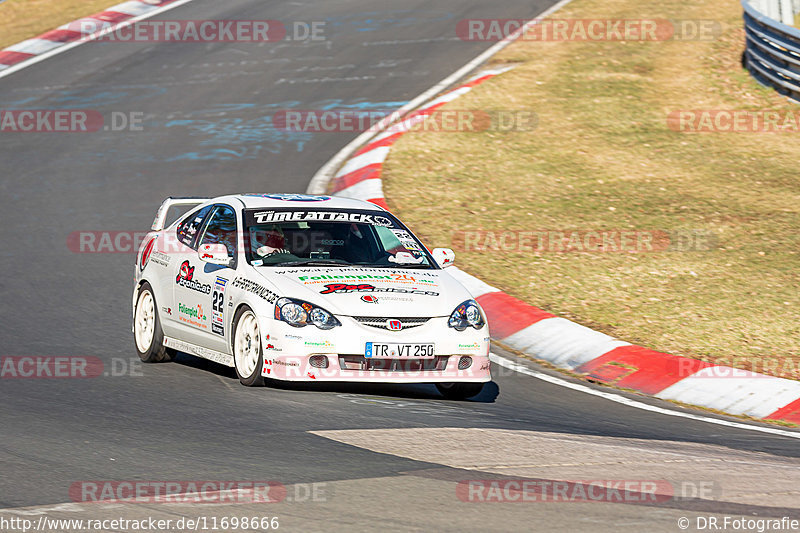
x=161 y=216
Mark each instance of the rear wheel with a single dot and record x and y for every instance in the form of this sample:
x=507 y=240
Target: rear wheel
x=459 y=391
x=147 y=329
x=247 y=356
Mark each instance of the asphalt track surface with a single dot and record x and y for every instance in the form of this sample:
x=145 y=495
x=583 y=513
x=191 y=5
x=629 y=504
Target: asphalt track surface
x=205 y=133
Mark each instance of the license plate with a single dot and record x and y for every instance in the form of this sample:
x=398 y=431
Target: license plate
x=392 y=350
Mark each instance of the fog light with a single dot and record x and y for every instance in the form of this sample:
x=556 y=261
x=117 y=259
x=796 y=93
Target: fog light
x=464 y=363
x=318 y=361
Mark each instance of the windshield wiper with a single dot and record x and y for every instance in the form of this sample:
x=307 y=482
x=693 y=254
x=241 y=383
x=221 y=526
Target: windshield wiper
x=314 y=262
x=409 y=265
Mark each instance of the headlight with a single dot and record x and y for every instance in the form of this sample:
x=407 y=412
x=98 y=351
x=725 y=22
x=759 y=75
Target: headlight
x=466 y=314
x=298 y=313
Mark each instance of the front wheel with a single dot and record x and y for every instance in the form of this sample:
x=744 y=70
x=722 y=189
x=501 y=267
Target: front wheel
x=459 y=391
x=247 y=356
x=147 y=329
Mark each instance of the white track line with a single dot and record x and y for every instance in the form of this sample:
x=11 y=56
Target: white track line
x=69 y=46
x=522 y=369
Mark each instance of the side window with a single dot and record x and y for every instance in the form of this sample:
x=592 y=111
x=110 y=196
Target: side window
x=221 y=229
x=389 y=240
x=396 y=241
x=188 y=228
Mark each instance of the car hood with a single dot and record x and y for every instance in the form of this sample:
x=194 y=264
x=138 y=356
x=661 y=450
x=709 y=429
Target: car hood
x=379 y=292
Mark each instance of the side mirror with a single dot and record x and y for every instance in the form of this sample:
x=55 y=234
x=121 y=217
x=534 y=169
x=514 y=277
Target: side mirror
x=216 y=254
x=444 y=256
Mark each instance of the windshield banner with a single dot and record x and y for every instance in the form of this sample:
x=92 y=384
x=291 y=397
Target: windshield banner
x=254 y=217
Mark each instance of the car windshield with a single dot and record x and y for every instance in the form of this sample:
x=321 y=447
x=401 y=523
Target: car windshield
x=291 y=237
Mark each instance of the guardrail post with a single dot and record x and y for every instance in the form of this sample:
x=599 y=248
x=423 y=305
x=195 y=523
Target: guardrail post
x=787 y=12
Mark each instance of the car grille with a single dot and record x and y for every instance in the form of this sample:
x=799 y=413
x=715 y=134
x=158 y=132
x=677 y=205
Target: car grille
x=380 y=322
x=359 y=362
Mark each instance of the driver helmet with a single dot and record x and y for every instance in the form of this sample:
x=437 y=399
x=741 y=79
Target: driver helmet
x=269 y=241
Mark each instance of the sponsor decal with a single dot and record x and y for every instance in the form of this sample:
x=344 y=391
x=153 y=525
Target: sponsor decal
x=473 y=346
x=335 y=288
x=272 y=216
x=200 y=351
x=185 y=279
x=354 y=270
x=285 y=363
x=406 y=240
x=255 y=288
x=192 y=312
x=396 y=298
x=293 y=337
x=160 y=258
x=293 y=197
x=218 y=306
x=186 y=271
x=167 y=310
x=196 y=316
x=370 y=299
x=331 y=288
x=395 y=277
x=319 y=344
x=406 y=258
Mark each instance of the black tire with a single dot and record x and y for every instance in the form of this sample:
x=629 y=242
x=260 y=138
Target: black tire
x=155 y=352
x=254 y=379
x=459 y=391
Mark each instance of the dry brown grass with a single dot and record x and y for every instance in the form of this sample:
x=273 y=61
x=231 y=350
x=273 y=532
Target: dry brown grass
x=23 y=19
x=603 y=157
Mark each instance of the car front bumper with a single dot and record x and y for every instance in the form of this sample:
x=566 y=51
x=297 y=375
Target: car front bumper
x=289 y=353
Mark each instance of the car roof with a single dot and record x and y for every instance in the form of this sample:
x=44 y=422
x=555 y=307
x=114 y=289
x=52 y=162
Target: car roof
x=299 y=201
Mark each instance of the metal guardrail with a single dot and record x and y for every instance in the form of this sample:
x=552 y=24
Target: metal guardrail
x=772 y=53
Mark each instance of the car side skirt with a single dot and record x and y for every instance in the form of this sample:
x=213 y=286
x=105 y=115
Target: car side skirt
x=199 y=351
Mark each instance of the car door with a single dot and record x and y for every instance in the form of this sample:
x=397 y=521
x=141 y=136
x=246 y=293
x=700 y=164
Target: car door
x=181 y=245
x=200 y=298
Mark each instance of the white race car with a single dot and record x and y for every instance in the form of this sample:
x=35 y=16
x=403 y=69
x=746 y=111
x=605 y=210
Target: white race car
x=306 y=288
